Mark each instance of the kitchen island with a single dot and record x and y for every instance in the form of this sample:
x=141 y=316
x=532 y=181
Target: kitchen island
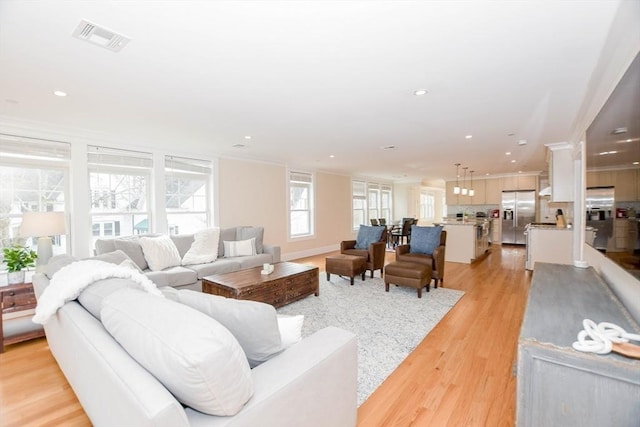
x=548 y=243
x=467 y=239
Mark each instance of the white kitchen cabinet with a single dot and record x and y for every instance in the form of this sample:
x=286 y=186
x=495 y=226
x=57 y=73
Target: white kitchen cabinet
x=620 y=234
x=496 y=231
x=561 y=178
x=493 y=191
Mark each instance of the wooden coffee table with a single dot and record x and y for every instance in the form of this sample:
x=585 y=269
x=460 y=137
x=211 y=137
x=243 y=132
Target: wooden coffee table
x=289 y=282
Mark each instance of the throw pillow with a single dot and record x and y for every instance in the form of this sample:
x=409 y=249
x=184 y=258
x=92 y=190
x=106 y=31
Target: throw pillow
x=196 y=358
x=160 y=252
x=92 y=296
x=132 y=248
x=240 y=248
x=204 y=247
x=290 y=329
x=424 y=240
x=115 y=257
x=253 y=324
x=368 y=234
x=245 y=233
x=226 y=234
x=56 y=263
x=130 y=264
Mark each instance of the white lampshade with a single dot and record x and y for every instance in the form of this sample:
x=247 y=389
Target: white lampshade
x=43 y=225
x=456 y=190
x=472 y=192
x=464 y=191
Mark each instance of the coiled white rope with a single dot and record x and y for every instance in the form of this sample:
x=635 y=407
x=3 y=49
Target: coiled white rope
x=599 y=338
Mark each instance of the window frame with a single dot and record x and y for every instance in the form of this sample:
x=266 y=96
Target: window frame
x=191 y=167
x=383 y=192
x=37 y=155
x=138 y=164
x=311 y=203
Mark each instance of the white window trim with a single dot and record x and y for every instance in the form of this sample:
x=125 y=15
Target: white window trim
x=312 y=202
x=382 y=186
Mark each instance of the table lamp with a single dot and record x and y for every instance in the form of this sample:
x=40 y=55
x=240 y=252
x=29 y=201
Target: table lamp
x=43 y=225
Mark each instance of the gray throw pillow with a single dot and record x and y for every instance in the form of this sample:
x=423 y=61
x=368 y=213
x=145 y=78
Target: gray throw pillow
x=192 y=355
x=183 y=242
x=228 y=234
x=368 y=234
x=56 y=263
x=424 y=240
x=132 y=248
x=115 y=257
x=253 y=324
x=246 y=233
x=91 y=297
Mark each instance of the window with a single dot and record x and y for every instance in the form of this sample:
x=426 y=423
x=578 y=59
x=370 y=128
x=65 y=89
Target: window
x=427 y=205
x=187 y=183
x=119 y=188
x=300 y=204
x=373 y=199
x=385 y=202
x=370 y=200
x=34 y=177
x=359 y=197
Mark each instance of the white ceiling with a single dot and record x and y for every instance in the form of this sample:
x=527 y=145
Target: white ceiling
x=310 y=79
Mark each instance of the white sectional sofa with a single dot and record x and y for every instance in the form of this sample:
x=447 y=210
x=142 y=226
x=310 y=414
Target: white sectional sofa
x=190 y=276
x=103 y=342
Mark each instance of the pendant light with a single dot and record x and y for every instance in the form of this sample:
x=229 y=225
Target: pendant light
x=471 y=191
x=456 y=189
x=464 y=182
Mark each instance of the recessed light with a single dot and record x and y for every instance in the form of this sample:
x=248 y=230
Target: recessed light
x=508 y=153
x=519 y=171
x=420 y=92
x=487 y=174
x=618 y=131
x=522 y=142
x=238 y=146
x=59 y=93
x=331 y=156
x=636 y=163
x=247 y=137
x=388 y=147
x=469 y=136
x=513 y=161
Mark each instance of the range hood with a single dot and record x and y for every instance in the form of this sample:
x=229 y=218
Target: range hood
x=546 y=191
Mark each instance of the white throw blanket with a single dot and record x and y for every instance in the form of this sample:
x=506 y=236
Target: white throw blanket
x=70 y=280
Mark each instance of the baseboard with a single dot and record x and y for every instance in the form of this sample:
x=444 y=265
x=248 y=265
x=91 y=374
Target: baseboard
x=309 y=252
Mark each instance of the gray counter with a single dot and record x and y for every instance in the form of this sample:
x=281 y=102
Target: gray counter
x=557 y=385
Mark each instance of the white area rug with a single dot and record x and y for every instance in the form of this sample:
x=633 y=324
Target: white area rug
x=388 y=325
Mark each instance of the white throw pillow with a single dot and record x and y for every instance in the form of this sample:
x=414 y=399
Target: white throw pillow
x=204 y=247
x=290 y=329
x=240 y=247
x=160 y=252
x=196 y=358
x=253 y=324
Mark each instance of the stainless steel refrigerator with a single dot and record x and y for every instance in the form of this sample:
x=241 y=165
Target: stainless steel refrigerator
x=518 y=210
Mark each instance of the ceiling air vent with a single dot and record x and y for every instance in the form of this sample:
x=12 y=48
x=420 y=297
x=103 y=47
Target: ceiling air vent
x=92 y=33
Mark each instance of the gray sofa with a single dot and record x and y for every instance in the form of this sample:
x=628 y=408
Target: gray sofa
x=190 y=276
x=312 y=383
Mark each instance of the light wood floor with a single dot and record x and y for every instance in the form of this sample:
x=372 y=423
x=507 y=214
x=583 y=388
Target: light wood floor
x=460 y=375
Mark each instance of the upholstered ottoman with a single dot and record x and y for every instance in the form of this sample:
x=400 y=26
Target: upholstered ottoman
x=345 y=265
x=408 y=274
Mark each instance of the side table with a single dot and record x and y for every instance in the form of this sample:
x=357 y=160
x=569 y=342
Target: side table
x=14 y=299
